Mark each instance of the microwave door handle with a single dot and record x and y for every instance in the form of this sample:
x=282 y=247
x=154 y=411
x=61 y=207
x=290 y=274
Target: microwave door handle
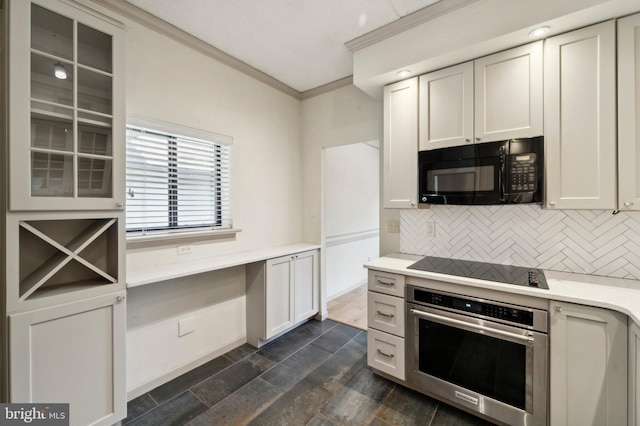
x=501 y=175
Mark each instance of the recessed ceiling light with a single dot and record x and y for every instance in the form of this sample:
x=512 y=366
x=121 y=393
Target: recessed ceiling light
x=539 y=32
x=403 y=73
x=59 y=71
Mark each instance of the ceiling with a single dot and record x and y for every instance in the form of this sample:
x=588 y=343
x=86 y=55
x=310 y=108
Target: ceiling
x=300 y=43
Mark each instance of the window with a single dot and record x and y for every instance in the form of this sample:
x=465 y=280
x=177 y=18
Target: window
x=178 y=179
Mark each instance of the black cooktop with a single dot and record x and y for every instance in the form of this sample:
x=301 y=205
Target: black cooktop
x=517 y=275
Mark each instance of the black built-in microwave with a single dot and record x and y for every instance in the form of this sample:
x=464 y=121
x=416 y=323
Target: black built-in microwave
x=505 y=172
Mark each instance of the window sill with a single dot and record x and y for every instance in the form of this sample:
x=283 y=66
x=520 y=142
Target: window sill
x=135 y=241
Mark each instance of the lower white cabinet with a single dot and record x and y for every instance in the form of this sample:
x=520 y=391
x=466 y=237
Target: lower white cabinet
x=634 y=374
x=386 y=323
x=72 y=353
x=281 y=293
x=588 y=365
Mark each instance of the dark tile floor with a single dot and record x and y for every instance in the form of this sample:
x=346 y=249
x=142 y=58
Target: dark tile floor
x=315 y=375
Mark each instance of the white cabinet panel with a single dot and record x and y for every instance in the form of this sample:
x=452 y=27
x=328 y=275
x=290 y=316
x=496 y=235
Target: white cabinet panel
x=385 y=313
x=385 y=352
x=634 y=374
x=580 y=118
x=72 y=353
x=281 y=293
x=446 y=107
x=400 y=173
x=588 y=366
x=508 y=100
x=629 y=113
x=385 y=282
x=306 y=285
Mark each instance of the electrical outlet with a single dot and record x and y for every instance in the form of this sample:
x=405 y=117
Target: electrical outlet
x=393 y=226
x=431 y=229
x=182 y=250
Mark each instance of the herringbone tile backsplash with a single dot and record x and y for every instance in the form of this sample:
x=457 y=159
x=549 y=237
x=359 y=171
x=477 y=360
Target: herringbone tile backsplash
x=583 y=241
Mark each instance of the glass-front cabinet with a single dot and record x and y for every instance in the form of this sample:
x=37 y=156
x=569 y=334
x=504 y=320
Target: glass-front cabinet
x=66 y=114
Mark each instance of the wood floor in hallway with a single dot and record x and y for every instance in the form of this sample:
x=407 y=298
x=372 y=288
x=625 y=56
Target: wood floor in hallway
x=350 y=308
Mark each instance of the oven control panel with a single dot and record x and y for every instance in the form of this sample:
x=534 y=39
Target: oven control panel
x=494 y=310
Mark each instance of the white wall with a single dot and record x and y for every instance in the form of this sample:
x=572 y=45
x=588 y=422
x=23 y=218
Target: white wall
x=351 y=187
x=166 y=80
x=341 y=117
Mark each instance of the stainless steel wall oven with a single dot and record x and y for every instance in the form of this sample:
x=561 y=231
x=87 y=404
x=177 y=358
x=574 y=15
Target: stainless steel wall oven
x=487 y=356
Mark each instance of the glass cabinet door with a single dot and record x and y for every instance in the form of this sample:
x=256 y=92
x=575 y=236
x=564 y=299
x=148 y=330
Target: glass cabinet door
x=64 y=158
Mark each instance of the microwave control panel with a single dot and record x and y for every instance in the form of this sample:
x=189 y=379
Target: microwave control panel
x=522 y=173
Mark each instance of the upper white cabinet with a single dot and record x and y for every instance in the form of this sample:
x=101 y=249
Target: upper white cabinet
x=629 y=113
x=400 y=174
x=508 y=94
x=446 y=107
x=588 y=365
x=493 y=98
x=66 y=108
x=580 y=118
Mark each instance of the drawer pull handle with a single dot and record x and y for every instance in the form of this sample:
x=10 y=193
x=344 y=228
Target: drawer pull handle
x=390 y=356
x=382 y=314
x=386 y=283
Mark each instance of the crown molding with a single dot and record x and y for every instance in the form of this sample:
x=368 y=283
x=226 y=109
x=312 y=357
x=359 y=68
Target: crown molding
x=152 y=22
x=407 y=22
x=325 y=88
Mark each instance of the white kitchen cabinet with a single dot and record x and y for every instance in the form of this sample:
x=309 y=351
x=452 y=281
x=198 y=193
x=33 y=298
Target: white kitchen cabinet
x=508 y=94
x=629 y=113
x=634 y=374
x=386 y=323
x=281 y=293
x=446 y=107
x=497 y=97
x=580 y=118
x=588 y=365
x=65 y=108
x=72 y=353
x=400 y=151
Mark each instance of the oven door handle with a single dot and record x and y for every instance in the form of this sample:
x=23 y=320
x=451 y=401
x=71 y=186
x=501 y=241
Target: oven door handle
x=452 y=321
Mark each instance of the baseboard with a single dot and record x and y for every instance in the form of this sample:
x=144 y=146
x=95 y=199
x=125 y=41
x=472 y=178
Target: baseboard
x=345 y=291
x=160 y=380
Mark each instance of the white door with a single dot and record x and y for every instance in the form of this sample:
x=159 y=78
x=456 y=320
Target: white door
x=580 y=118
x=508 y=94
x=588 y=366
x=400 y=172
x=72 y=353
x=279 y=295
x=629 y=113
x=306 y=285
x=446 y=107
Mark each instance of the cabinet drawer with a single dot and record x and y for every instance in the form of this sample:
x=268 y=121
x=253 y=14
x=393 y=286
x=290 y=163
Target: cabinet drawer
x=385 y=352
x=387 y=283
x=385 y=313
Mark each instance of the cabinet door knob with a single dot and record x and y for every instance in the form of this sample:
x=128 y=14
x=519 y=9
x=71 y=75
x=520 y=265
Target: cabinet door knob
x=628 y=204
x=552 y=203
x=119 y=204
x=120 y=299
x=467 y=140
x=478 y=139
x=557 y=308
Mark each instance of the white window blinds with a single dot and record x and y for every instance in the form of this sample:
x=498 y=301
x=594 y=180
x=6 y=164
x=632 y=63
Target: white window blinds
x=177 y=182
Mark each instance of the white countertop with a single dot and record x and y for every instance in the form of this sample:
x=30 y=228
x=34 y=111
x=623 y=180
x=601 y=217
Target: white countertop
x=177 y=270
x=617 y=294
